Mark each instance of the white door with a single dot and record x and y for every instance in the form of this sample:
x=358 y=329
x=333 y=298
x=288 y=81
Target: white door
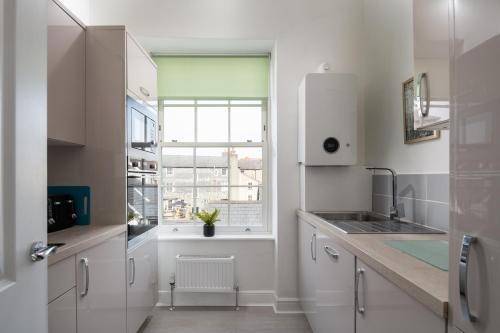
x=23 y=161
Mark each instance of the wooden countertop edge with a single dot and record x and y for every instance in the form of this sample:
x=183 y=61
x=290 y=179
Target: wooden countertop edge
x=80 y=238
x=437 y=304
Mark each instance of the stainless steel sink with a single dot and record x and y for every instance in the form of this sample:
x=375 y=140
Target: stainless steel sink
x=372 y=223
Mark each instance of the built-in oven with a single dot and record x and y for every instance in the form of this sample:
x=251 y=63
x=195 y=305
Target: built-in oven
x=142 y=169
x=142 y=196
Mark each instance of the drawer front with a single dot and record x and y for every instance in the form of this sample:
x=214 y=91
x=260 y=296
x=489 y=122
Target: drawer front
x=62 y=313
x=61 y=277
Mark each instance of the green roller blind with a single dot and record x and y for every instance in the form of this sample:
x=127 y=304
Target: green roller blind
x=213 y=76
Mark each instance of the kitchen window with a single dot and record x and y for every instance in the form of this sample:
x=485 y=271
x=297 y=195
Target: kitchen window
x=214 y=155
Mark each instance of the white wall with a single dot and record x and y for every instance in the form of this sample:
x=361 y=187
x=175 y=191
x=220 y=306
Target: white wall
x=80 y=8
x=305 y=34
x=388 y=62
x=254 y=269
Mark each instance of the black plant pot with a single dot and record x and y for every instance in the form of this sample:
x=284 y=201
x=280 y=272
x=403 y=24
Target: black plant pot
x=208 y=230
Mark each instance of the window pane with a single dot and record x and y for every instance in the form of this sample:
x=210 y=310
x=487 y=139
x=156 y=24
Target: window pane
x=178 y=166
x=212 y=166
x=212 y=102
x=246 y=102
x=209 y=198
x=246 y=165
x=178 y=124
x=177 y=204
x=212 y=124
x=178 y=102
x=246 y=211
x=246 y=124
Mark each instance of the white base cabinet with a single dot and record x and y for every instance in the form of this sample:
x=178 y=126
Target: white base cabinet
x=142 y=282
x=62 y=313
x=307 y=270
x=327 y=280
x=388 y=309
x=96 y=301
x=334 y=287
x=100 y=284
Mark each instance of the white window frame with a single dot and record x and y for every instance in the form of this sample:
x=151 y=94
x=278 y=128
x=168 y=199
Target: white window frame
x=183 y=227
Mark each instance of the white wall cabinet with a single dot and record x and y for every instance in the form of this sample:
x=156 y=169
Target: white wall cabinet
x=66 y=78
x=101 y=287
x=388 y=309
x=334 y=287
x=307 y=270
x=62 y=313
x=142 y=268
x=141 y=73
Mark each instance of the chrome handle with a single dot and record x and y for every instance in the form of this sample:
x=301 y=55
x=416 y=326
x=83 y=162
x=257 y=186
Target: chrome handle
x=423 y=79
x=39 y=251
x=85 y=262
x=313 y=241
x=132 y=262
x=463 y=268
x=144 y=91
x=331 y=252
x=360 y=309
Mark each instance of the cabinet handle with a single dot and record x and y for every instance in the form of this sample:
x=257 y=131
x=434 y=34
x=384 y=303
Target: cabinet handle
x=360 y=309
x=132 y=262
x=423 y=79
x=144 y=91
x=463 y=269
x=331 y=252
x=85 y=262
x=313 y=246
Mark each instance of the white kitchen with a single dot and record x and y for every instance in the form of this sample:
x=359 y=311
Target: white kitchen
x=249 y=166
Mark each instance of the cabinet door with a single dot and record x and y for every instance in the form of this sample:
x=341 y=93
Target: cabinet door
x=334 y=287
x=307 y=267
x=141 y=72
x=66 y=78
x=141 y=291
x=102 y=291
x=388 y=309
x=62 y=313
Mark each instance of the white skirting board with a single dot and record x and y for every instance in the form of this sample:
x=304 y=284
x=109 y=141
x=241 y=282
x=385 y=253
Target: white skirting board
x=246 y=298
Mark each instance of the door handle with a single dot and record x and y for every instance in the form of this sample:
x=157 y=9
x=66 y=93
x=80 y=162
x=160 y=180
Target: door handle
x=39 y=251
x=132 y=262
x=359 y=273
x=85 y=262
x=331 y=252
x=463 y=269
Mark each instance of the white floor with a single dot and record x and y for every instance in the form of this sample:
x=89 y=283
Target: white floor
x=225 y=320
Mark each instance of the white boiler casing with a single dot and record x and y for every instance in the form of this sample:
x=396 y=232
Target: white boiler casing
x=328 y=113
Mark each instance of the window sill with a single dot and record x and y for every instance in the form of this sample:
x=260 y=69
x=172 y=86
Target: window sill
x=166 y=236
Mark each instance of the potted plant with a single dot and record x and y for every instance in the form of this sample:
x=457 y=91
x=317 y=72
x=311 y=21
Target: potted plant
x=208 y=219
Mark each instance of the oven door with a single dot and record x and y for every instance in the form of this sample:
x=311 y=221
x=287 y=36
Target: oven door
x=142 y=202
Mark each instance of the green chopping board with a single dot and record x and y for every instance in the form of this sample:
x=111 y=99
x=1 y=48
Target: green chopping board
x=433 y=252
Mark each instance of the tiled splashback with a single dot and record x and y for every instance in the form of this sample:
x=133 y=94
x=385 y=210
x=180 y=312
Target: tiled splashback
x=422 y=198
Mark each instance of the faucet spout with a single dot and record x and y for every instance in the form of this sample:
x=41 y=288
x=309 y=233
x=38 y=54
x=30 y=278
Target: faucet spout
x=393 y=213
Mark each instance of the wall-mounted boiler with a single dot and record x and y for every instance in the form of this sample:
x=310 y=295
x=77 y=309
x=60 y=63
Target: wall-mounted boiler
x=328 y=113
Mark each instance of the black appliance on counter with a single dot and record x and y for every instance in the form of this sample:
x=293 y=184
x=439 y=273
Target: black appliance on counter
x=61 y=212
x=142 y=169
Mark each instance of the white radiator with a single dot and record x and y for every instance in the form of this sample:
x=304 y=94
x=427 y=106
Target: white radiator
x=200 y=273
